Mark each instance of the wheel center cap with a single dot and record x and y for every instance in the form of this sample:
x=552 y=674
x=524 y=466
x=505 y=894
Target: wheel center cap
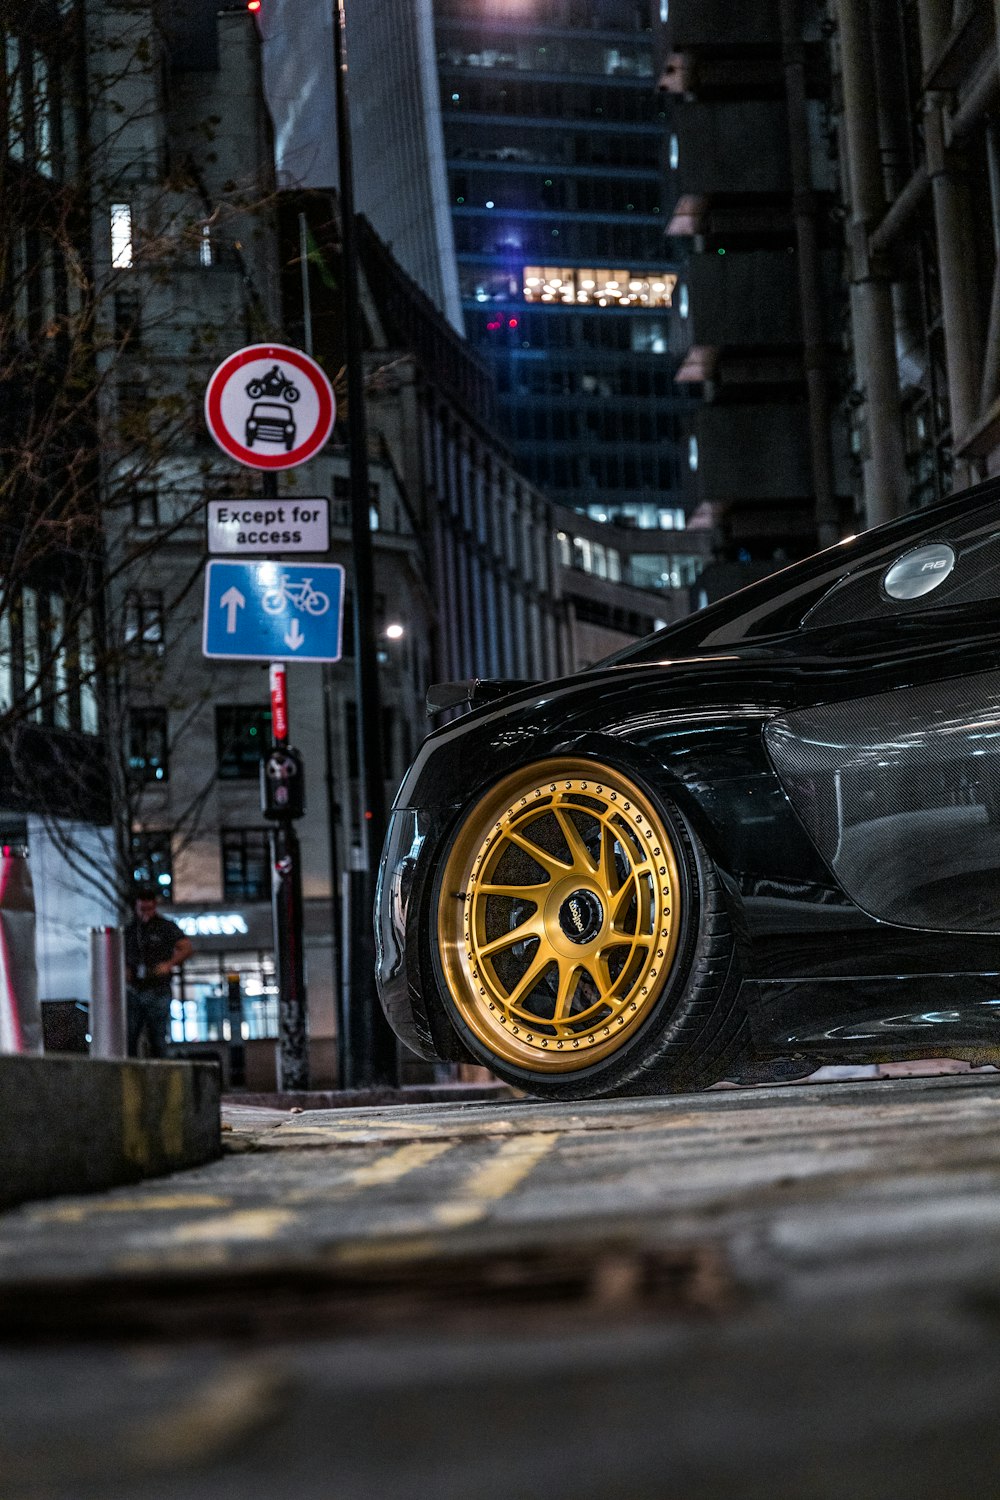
x=581 y=916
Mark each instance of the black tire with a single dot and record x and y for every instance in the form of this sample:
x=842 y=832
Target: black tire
x=696 y=1031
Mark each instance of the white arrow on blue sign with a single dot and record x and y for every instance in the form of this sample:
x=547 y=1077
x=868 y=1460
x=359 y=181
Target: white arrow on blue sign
x=272 y=611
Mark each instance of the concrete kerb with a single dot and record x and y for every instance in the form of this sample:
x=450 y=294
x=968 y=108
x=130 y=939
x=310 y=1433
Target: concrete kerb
x=77 y=1125
x=411 y=1093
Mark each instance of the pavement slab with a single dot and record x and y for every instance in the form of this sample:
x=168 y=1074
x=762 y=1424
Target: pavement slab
x=778 y=1292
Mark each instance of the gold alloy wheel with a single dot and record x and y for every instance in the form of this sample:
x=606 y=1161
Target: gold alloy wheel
x=559 y=915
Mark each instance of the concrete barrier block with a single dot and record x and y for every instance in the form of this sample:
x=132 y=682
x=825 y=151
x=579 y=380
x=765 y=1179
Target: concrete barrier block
x=77 y=1125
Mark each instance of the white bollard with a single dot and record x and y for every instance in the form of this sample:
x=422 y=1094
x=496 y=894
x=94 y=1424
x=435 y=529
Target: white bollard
x=108 y=1036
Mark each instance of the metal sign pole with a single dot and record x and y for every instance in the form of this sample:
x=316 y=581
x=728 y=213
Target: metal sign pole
x=286 y=892
x=286 y=897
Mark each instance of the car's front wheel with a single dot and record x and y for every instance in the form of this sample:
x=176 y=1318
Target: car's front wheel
x=582 y=943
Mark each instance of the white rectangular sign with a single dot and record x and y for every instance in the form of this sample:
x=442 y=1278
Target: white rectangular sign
x=247 y=528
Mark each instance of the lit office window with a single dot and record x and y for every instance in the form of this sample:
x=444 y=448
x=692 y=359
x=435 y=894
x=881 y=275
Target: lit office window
x=89 y=716
x=683 y=300
x=205 y=247
x=664 y=11
x=242 y=737
x=43 y=116
x=597 y=287
x=675 y=152
x=625 y=62
x=121 y=236
x=693 y=454
x=32 y=648
x=152 y=860
x=6 y=662
x=246 y=864
x=144 y=622
x=15 y=98
x=148 y=753
x=60 y=661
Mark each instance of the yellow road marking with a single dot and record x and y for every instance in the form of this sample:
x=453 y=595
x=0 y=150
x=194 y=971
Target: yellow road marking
x=412 y=1238
x=398 y=1163
x=494 y=1179
x=76 y=1213
x=244 y=1224
x=401 y=1247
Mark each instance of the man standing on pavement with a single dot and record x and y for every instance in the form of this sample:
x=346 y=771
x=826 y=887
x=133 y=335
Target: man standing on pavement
x=153 y=948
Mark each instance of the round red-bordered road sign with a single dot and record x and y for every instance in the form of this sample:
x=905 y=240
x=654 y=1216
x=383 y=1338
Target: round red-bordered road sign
x=270 y=406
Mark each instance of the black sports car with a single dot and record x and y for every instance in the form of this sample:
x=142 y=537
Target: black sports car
x=770 y=830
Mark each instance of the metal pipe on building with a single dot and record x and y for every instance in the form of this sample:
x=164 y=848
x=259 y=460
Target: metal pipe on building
x=810 y=282
x=107 y=992
x=990 y=387
x=901 y=212
x=959 y=310
x=934 y=17
x=978 y=98
x=872 y=309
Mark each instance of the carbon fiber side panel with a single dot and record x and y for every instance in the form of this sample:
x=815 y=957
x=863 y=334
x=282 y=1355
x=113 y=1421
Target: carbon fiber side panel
x=900 y=792
x=860 y=596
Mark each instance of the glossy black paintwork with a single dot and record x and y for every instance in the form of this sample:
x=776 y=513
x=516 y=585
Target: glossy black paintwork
x=685 y=713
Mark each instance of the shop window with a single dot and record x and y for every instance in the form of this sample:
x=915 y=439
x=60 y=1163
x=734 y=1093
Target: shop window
x=246 y=864
x=242 y=736
x=200 y=1013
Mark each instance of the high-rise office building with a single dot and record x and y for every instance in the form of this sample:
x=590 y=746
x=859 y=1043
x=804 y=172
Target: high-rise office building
x=553 y=133
x=538 y=126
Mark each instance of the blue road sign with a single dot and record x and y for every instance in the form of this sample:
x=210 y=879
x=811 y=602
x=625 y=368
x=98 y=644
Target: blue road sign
x=272 y=611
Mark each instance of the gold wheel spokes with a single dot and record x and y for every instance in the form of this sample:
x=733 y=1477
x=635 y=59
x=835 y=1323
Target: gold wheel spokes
x=533 y=927
x=582 y=861
x=558 y=919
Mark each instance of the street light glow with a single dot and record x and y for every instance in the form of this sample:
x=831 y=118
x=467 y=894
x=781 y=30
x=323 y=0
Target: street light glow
x=394 y=632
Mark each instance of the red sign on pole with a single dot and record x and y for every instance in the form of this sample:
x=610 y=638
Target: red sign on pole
x=279 y=702
x=270 y=406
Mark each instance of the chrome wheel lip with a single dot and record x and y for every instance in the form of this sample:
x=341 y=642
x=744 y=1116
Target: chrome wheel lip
x=560 y=1042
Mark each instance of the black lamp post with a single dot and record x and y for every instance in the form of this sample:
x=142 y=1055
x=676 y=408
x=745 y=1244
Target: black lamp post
x=368 y=1051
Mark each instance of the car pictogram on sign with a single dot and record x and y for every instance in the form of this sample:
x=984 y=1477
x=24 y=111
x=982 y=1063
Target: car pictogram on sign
x=270 y=423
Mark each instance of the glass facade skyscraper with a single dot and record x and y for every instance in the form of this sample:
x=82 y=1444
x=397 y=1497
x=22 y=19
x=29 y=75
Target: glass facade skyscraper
x=553 y=136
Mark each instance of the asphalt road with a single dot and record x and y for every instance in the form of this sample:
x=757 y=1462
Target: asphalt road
x=782 y=1292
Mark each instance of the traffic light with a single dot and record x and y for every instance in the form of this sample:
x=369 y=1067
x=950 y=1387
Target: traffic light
x=282 y=785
